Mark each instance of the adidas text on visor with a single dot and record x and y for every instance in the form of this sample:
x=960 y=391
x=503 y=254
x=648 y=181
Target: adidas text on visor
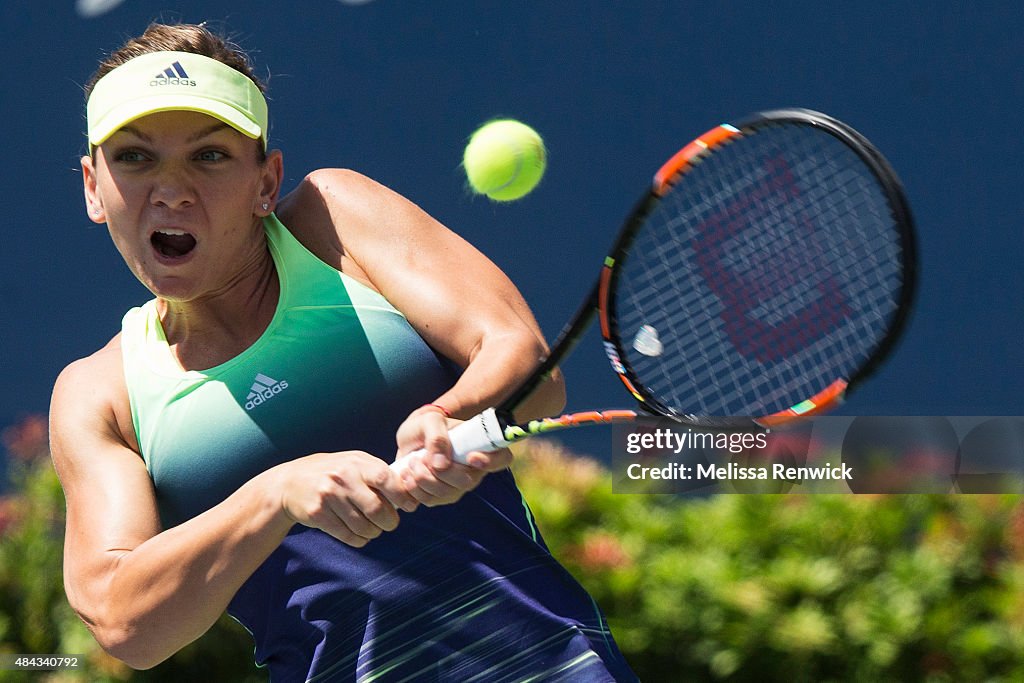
x=175 y=81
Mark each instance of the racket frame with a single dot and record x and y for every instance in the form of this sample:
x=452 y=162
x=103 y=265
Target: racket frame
x=601 y=300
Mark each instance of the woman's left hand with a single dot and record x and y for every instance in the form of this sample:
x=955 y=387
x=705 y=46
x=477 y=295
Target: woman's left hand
x=436 y=479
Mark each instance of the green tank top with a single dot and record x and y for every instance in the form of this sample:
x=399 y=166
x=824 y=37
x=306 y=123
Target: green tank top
x=335 y=350
x=457 y=592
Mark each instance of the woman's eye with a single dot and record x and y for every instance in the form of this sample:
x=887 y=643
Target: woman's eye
x=211 y=155
x=131 y=155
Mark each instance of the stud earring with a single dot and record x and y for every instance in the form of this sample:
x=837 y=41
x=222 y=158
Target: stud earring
x=266 y=206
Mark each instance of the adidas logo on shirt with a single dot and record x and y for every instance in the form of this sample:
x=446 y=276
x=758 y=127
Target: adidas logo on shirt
x=263 y=389
x=172 y=75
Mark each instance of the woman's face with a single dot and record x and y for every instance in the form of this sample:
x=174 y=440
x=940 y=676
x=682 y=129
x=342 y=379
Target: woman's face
x=182 y=195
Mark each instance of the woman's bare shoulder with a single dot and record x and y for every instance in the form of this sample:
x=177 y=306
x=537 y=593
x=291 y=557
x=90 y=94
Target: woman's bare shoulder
x=90 y=393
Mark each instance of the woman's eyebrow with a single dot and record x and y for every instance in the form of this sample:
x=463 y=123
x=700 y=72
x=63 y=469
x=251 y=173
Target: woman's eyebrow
x=200 y=134
x=210 y=130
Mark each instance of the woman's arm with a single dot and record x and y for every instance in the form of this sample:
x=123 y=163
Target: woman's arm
x=462 y=304
x=457 y=300
x=145 y=592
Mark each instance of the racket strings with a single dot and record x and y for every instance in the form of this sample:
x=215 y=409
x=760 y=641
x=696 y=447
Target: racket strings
x=769 y=271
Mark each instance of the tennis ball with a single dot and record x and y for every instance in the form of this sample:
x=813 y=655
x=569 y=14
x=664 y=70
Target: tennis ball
x=504 y=159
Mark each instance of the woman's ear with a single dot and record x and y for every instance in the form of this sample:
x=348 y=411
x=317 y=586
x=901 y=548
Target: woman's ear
x=93 y=205
x=270 y=184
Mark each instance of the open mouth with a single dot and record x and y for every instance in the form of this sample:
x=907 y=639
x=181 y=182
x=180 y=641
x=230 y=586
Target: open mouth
x=172 y=243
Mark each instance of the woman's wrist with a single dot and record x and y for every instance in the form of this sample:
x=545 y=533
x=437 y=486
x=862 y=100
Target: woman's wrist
x=437 y=407
x=269 y=491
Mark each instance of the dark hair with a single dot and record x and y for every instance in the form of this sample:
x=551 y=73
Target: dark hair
x=195 y=38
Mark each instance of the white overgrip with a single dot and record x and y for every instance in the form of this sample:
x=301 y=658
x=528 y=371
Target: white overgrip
x=479 y=433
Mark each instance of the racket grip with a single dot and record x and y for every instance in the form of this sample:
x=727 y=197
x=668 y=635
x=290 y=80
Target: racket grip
x=480 y=433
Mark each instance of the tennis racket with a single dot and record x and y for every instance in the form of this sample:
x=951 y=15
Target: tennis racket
x=767 y=271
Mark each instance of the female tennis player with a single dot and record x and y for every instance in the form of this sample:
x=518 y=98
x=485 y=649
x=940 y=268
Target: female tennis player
x=228 y=449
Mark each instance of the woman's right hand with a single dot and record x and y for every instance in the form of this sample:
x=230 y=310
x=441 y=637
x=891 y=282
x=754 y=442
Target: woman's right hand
x=351 y=495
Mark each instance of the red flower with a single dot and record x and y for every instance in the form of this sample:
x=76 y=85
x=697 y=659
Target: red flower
x=601 y=551
x=28 y=439
x=10 y=513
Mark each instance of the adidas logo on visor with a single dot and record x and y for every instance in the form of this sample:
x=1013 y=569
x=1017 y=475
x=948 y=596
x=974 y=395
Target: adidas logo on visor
x=263 y=389
x=173 y=75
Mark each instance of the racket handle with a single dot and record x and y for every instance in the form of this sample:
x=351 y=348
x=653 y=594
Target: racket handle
x=480 y=433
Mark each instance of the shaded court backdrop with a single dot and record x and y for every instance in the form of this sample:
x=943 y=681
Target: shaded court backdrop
x=393 y=89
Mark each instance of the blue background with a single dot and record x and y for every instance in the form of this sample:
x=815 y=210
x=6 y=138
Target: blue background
x=393 y=88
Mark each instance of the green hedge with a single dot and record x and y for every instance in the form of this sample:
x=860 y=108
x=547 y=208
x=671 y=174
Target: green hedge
x=732 y=587
x=791 y=587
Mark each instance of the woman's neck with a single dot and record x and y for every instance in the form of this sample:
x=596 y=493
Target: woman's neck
x=217 y=327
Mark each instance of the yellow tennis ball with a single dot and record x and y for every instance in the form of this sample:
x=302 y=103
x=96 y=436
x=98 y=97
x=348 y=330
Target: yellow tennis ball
x=504 y=159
